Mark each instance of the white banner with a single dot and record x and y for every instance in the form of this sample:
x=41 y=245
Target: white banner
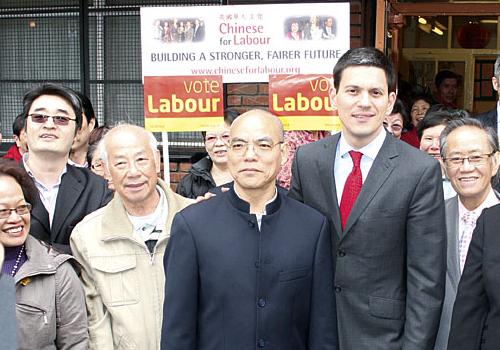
x=244 y=43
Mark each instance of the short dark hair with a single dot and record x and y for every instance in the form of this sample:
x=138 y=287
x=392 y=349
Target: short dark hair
x=69 y=95
x=365 y=56
x=87 y=109
x=444 y=74
x=10 y=168
x=439 y=117
x=18 y=125
x=230 y=114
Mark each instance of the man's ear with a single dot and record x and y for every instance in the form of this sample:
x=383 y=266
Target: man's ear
x=496 y=84
x=158 y=161
x=91 y=124
x=284 y=152
x=333 y=97
x=392 y=100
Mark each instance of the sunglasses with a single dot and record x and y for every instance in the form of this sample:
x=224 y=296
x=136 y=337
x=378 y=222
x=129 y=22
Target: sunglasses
x=56 y=119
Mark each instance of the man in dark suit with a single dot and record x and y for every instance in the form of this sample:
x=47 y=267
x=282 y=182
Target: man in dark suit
x=250 y=268
x=53 y=115
x=490 y=118
x=476 y=313
x=384 y=200
x=464 y=139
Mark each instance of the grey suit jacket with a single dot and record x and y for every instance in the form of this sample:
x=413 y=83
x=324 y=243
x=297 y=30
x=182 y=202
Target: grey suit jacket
x=452 y=272
x=390 y=258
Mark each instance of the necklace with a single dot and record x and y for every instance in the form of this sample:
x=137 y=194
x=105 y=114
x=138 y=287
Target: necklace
x=16 y=265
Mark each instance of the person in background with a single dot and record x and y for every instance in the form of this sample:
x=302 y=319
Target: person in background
x=385 y=204
x=420 y=104
x=490 y=118
x=211 y=171
x=394 y=122
x=250 y=268
x=16 y=151
x=78 y=154
x=50 y=305
x=469 y=152
x=293 y=140
x=294 y=33
x=53 y=115
x=120 y=247
x=446 y=84
x=328 y=30
x=429 y=133
x=96 y=165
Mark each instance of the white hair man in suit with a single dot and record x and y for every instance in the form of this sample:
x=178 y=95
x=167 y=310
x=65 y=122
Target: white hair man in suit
x=470 y=155
x=385 y=203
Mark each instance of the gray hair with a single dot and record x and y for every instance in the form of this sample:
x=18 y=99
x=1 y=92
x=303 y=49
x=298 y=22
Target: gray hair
x=103 y=152
x=496 y=71
x=491 y=135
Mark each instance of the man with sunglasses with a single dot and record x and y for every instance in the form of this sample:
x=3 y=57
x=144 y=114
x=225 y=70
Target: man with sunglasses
x=250 y=268
x=53 y=116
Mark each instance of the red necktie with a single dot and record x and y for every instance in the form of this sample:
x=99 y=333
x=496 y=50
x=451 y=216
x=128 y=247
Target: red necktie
x=352 y=187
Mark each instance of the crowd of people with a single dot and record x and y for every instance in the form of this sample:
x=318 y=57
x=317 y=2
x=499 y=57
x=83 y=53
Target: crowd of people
x=356 y=240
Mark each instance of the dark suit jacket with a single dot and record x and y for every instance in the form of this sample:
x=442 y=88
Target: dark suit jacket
x=391 y=256
x=81 y=192
x=230 y=286
x=476 y=314
x=489 y=118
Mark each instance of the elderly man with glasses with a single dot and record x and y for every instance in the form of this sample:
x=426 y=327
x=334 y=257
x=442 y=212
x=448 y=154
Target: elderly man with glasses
x=53 y=116
x=250 y=268
x=469 y=151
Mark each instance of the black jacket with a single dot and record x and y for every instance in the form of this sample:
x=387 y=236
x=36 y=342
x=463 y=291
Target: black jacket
x=198 y=180
x=81 y=192
x=231 y=286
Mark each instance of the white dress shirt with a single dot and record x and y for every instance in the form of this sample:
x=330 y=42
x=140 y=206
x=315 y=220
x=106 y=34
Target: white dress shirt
x=48 y=194
x=343 y=162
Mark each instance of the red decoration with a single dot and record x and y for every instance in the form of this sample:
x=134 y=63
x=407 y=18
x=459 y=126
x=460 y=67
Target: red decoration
x=473 y=36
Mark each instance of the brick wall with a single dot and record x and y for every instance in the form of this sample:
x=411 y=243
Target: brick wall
x=255 y=95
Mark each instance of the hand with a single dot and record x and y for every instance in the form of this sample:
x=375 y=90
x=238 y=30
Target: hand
x=209 y=195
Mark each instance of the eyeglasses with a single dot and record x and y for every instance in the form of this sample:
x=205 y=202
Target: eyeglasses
x=57 y=119
x=211 y=138
x=474 y=160
x=23 y=209
x=260 y=148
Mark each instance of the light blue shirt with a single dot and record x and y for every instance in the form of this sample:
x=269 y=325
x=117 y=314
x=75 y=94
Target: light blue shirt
x=343 y=161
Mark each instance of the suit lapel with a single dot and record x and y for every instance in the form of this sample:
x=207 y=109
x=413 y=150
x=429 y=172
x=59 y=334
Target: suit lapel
x=68 y=195
x=453 y=262
x=327 y=167
x=40 y=213
x=380 y=170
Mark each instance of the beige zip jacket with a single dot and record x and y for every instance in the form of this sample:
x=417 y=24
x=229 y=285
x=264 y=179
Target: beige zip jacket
x=123 y=282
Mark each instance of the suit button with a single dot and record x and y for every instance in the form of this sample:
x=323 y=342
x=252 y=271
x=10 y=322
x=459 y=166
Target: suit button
x=251 y=224
x=338 y=289
x=261 y=343
x=341 y=253
x=262 y=302
x=257 y=264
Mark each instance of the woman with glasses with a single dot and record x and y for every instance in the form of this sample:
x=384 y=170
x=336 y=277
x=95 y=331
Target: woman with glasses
x=211 y=171
x=50 y=304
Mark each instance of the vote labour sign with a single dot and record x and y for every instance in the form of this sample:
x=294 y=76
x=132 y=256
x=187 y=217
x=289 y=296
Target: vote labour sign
x=303 y=102
x=185 y=103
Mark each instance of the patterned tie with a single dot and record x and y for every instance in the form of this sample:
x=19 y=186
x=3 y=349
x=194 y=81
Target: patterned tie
x=469 y=223
x=352 y=187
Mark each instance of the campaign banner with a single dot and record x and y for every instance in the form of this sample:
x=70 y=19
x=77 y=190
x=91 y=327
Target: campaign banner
x=244 y=43
x=303 y=102
x=183 y=103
